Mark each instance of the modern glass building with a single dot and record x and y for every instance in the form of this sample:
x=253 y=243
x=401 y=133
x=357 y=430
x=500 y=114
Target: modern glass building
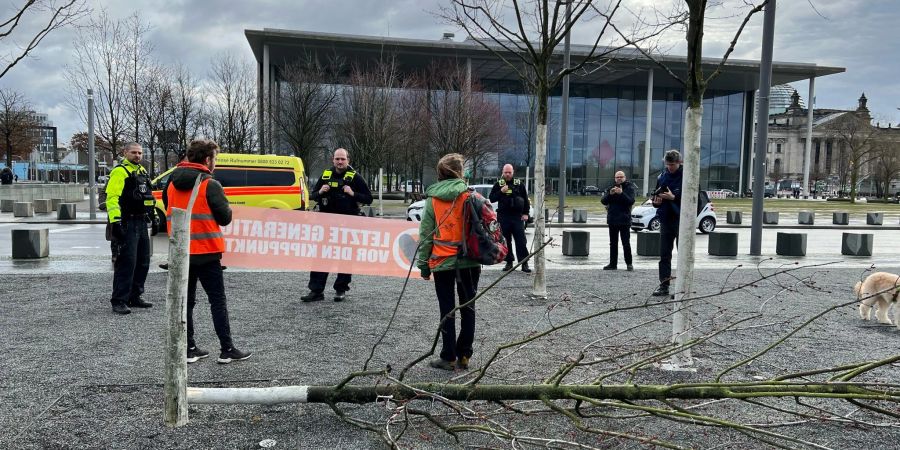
x=608 y=107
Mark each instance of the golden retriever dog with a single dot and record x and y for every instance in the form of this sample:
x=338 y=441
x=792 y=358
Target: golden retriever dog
x=881 y=290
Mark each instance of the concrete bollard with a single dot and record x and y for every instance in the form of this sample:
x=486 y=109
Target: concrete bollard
x=791 y=244
x=648 y=243
x=579 y=215
x=42 y=205
x=576 y=242
x=368 y=211
x=23 y=209
x=806 y=218
x=733 y=217
x=770 y=217
x=874 y=218
x=840 y=218
x=66 y=211
x=30 y=244
x=723 y=244
x=857 y=244
x=7 y=204
x=54 y=203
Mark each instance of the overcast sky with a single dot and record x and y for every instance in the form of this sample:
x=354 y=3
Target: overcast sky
x=859 y=35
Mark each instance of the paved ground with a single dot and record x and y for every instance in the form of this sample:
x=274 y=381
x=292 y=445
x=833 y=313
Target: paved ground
x=75 y=376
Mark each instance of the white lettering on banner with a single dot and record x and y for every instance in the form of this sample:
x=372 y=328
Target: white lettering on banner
x=275 y=248
x=337 y=252
x=274 y=230
x=353 y=236
x=371 y=255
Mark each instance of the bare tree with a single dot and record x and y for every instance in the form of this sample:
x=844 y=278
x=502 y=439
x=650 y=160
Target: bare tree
x=232 y=108
x=368 y=116
x=185 y=114
x=886 y=162
x=16 y=124
x=414 y=151
x=856 y=138
x=156 y=101
x=18 y=41
x=100 y=64
x=140 y=67
x=463 y=120
x=308 y=94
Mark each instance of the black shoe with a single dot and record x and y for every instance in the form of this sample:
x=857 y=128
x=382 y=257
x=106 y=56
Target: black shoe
x=232 y=354
x=121 y=308
x=439 y=363
x=630 y=268
x=340 y=296
x=662 y=290
x=525 y=268
x=609 y=267
x=164 y=266
x=195 y=354
x=508 y=266
x=313 y=297
x=139 y=303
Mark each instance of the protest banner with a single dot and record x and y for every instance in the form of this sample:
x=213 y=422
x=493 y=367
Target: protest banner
x=260 y=238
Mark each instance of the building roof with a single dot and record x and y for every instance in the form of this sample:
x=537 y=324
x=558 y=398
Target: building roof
x=627 y=66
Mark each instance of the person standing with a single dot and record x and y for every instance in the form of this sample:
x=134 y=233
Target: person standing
x=339 y=191
x=667 y=200
x=512 y=209
x=618 y=199
x=129 y=207
x=210 y=211
x=440 y=233
x=6 y=176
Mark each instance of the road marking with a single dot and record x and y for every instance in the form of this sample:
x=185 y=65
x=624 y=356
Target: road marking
x=60 y=230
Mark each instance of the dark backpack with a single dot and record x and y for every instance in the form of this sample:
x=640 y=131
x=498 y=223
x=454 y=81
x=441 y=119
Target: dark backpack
x=483 y=240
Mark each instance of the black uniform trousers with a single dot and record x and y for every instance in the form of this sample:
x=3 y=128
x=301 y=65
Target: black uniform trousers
x=318 y=280
x=445 y=282
x=668 y=238
x=133 y=261
x=616 y=231
x=513 y=228
x=210 y=277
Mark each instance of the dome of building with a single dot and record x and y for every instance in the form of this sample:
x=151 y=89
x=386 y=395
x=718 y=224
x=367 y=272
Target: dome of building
x=780 y=98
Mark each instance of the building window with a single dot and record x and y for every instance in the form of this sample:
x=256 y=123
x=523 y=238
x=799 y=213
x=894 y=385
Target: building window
x=777 y=148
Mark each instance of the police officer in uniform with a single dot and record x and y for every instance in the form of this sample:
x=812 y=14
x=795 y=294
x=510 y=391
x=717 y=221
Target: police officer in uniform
x=512 y=209
x=130 y=207
x=339 y=191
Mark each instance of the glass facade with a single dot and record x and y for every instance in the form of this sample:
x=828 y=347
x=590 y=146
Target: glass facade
x=607 y=130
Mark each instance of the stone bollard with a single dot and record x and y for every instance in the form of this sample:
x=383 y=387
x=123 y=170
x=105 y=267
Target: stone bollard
x=7 y=204
x=648 y=243
x=857 y=244
x=791 y=244
x=54 y=203
x=723 y=244
x=576 y=242
x=42 y=205
x=840 y=218
x=66 y=211
x=548 y=216
x=770 y=217
x=874 y=218
x=579 y=215
x=29 y=244
x=806 y=218
x=733 y=217
x=23 y=209
x=368 y=211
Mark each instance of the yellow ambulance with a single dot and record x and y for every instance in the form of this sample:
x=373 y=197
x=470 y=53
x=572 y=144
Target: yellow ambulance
x=264 y=181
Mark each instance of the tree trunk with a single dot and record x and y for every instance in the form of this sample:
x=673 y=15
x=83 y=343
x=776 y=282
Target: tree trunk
x=539 y=285
x=854 y=176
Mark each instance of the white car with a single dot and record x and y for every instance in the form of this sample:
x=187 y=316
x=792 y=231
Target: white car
x=414 y=211
x=644 y=216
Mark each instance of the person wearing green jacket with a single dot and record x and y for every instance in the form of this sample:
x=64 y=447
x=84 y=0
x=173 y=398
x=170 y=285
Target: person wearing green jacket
x=441 y=233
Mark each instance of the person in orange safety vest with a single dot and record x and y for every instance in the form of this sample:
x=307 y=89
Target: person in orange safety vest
x=210 y=211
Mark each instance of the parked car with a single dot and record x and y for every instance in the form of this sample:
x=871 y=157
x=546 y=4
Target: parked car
x=591 y=190
x=644 y=216
x=414 y=210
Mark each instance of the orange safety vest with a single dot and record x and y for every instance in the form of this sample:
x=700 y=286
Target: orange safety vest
x=206 y=236
x=450 y=231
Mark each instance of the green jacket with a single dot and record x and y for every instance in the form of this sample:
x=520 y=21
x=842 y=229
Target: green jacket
x=445 y=190
x=116 y=184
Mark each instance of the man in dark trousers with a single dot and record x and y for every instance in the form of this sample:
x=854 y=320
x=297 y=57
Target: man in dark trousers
x=667 y=200
x=512 y=210
x=210 y=211
x=618 y=199
x=129 y=206
x=340 y=190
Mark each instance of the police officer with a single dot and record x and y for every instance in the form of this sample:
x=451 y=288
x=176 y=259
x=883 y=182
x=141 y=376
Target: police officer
x=339 y=191
x=129 y=205
x=512 y=209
